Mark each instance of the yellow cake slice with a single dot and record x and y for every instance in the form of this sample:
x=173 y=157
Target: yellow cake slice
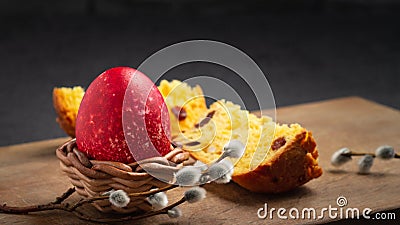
x=66 y=102
x=277 y=158
x=185 y=104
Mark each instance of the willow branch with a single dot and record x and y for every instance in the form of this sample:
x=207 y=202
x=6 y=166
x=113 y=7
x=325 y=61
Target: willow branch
x=362 y=154
x=140 y=194
x=57 y=204
x=126 y=218
x=64 y=196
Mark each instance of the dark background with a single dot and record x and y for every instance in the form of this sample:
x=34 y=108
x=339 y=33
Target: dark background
x=309 y=50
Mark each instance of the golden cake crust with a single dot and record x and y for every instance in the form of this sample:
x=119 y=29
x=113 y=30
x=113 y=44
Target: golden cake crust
x=288 y=168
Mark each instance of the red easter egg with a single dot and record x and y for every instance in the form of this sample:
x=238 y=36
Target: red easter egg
x=123 y=117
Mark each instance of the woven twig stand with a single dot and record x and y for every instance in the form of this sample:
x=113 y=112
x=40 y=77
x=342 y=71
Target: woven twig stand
x=93 y=178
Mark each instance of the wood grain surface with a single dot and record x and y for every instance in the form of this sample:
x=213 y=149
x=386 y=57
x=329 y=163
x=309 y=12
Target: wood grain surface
x=30 y=174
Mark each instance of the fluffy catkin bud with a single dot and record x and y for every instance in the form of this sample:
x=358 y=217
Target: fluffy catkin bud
x=195 y=194
x=385 y=152
x=188 y=176
x=221 y=172
x=228 y=164
x=174 y=212
x=119 y=198
x=365 y=164
x=233 y=149
x=158 y=200
x=339 y=159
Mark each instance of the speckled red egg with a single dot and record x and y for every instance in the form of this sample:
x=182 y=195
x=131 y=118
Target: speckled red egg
x=123 y=117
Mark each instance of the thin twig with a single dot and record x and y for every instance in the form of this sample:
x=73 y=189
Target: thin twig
x=57 y=204
x=64 y=196
x=140 y=194
x=362 y=154
x=33 y=208
x=126 y=218
x=357 y=154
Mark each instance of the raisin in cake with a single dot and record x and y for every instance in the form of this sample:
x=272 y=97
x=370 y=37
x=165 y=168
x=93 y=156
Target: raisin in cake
x=185 y=104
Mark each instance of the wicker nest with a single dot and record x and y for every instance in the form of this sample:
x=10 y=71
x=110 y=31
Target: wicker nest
x=93 y=178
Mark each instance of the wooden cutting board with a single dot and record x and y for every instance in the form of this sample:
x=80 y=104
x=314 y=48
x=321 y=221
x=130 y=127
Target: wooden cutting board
x=30 y=174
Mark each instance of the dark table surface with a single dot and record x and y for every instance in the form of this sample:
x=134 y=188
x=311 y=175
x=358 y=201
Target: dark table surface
x=309 y=51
